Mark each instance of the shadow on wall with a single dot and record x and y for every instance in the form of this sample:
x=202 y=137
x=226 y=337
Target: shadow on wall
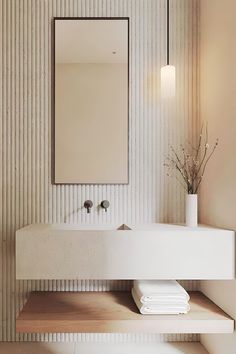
x=37 y=348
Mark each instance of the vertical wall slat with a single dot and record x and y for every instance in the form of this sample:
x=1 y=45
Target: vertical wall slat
x=1 y=170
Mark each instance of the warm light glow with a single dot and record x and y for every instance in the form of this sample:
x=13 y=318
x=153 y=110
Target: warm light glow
x=167 y=81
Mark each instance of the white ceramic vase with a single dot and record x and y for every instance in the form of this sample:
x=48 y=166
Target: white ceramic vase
x=191 y=211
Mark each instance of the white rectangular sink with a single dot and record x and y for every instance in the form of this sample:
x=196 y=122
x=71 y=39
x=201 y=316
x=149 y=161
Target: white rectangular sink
x=82 y=227
x=148 y=251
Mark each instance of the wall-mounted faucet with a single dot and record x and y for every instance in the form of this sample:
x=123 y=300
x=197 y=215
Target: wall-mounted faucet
x=88 y=205
x=105 y=204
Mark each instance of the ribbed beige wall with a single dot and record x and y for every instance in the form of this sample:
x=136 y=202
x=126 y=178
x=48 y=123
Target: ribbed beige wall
x=27 y=195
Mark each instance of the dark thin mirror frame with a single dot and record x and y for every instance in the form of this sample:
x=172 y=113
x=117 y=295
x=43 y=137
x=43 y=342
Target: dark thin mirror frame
x=53 y=96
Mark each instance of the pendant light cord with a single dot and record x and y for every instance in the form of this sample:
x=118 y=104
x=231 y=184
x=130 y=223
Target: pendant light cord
x=168 y=32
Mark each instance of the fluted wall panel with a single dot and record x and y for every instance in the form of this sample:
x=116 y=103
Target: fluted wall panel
x=27 y=194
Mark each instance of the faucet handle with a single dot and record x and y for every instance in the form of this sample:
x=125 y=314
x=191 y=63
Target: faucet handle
x=88 y=205
x=105 y=204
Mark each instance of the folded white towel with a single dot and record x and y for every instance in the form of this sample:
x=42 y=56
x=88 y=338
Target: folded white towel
x=157 y=290
x=159 y=309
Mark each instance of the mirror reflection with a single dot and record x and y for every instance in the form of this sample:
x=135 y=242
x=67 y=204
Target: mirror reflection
x=91 y=101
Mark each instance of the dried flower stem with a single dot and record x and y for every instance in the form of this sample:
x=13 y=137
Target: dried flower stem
x=191 y=163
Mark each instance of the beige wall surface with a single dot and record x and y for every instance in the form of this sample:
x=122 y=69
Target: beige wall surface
x=218 y=107
x=26 y=192
x=91 y=123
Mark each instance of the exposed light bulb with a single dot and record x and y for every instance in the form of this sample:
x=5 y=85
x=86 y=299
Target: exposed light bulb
x=167 y=81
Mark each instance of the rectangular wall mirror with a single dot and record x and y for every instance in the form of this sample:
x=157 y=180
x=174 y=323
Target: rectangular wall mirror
x=91 y=100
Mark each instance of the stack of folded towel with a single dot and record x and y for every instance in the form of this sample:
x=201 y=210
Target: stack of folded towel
x=160 y=297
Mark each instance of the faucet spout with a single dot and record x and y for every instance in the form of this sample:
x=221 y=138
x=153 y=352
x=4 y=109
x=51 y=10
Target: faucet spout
x=88 y=205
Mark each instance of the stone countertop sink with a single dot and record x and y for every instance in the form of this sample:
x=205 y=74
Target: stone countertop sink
x=124 y=251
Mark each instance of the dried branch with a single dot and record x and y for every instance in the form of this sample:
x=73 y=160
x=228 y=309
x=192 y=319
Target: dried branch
x=199 y=143
x=205 y=164
x=191 y=163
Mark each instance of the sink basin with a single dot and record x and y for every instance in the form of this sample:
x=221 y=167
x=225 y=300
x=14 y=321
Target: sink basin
x=83 y=227
x=146 y=251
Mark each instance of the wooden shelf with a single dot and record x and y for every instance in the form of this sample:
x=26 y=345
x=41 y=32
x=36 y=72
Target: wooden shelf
x=114 y=312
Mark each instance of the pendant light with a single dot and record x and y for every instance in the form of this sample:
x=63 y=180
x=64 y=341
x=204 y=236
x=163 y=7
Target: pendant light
x=168 y=71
